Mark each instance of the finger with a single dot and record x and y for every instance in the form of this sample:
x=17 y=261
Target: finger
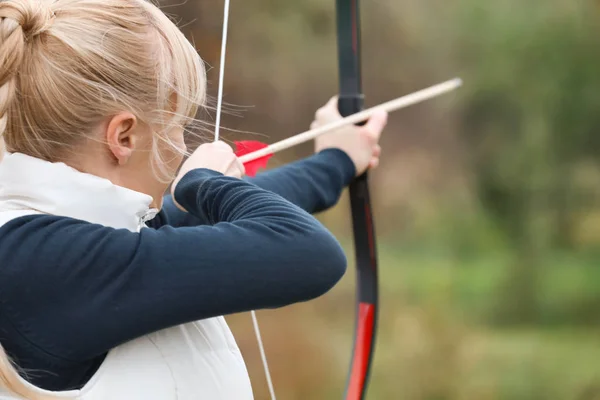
x=376 y=123
x=329 y=112
x=374 y=163
x=241 y=167
x=222 y=145
x=377 y=151
x=236 y=174
x=314 y=125
x=332 y=103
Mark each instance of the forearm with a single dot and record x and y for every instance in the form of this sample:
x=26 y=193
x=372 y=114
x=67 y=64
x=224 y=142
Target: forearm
x=313 y=184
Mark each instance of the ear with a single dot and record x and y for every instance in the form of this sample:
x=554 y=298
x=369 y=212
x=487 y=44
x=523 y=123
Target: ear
x=121 y=136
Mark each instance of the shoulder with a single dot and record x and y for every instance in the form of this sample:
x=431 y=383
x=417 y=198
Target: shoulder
x=30 y=242
x=29 y=229
x=19 y=228
x=45 y=246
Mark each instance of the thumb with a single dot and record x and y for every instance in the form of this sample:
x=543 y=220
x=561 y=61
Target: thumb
x=376 y=123
x=332 y=102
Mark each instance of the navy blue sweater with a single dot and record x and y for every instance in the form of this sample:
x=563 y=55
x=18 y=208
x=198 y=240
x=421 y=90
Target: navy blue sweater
x=71 y=290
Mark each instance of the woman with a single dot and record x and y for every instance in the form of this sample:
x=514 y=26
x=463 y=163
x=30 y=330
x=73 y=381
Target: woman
x=108 y=289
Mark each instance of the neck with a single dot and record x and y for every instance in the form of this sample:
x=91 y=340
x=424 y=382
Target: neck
x=29 y=183
x=134 y=175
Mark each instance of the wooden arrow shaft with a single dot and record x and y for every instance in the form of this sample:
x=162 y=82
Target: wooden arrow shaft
x=392 y=105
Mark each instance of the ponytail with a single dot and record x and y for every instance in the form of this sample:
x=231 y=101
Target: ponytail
x=11 y=381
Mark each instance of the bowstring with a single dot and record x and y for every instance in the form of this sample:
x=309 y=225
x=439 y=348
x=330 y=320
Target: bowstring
x=222 y=69
x=261 y=346
x=263 y=355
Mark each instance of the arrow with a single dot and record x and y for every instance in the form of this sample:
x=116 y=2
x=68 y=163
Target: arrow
x=392 y=105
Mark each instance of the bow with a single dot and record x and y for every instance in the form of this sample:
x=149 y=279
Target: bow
x=254 y=155
x=350 y=101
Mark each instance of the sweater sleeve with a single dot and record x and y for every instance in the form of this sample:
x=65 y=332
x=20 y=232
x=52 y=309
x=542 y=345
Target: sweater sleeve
x=314 y=184
x=76 y=290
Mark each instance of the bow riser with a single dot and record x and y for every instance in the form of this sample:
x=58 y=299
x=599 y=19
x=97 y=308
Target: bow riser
x=351 y=101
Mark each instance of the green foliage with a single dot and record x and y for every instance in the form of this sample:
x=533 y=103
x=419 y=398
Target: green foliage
x=531 y=112
x=487 y=204
x=529 y=123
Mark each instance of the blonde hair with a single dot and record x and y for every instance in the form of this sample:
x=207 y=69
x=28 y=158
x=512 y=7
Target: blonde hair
x=65 y=65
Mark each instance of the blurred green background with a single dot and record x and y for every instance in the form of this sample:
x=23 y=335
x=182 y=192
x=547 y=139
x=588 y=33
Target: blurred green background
x=487 y=200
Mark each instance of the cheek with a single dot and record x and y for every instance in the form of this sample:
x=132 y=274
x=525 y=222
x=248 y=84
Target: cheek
x=179 y=141
x=175 y=163
x=173 y=152
x=179 y=150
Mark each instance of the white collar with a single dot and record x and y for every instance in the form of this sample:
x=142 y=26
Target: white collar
x=29 y=183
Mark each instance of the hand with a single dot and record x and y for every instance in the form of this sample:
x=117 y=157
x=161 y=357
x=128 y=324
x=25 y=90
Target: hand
x=217 y=156
x=359 y=142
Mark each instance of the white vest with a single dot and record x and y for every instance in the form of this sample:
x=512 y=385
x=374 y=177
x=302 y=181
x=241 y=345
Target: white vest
x=194 y=361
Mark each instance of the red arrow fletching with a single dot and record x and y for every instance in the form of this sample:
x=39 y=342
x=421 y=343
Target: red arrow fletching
x=250 y=146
